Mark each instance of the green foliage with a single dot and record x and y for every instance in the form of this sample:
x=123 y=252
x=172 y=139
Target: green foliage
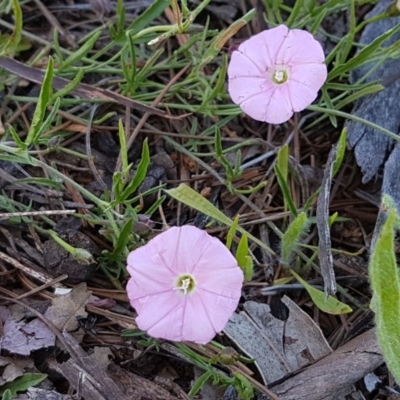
x=283 y=183
x=243 y=258
x=39 y=124
x=385 y=283
x=329 y=304
x=21 y=384
x=291 y=237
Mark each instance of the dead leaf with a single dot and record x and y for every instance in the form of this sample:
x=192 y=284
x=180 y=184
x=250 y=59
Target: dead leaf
x=64 y=309
x=278 y=347
x=20 y=337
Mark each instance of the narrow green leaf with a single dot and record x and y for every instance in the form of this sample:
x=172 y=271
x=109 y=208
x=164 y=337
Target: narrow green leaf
x=341 y=149
x=385 y=283
x=290 y=238
x=147 y=17
x=124 y=149
x=16 y=138
x=329 y=305
x=283 y=161
x=243 y=259
x=11 y=46
x=123 y=239
x=81 y=52
x=70 y=86
x=231 y=232
x=285 y=190
x=200 y=382
x=22 y=383
x=47 y=122
x=363 y=55
x=154 y=207
x=140 y=172
x=45 y=95
x=216 y=45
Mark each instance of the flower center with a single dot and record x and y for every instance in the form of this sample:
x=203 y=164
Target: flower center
x=279 y=76
x=185 y=284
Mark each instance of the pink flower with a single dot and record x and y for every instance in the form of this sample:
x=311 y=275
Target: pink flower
x=276 y=73
x=184 y=285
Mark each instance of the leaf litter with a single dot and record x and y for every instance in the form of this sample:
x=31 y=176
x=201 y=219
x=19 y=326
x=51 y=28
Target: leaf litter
x=287 y=343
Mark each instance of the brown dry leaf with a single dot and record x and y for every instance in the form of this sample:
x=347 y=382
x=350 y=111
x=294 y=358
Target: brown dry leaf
x=13 y=368
x=64 y=309
x=278 y=347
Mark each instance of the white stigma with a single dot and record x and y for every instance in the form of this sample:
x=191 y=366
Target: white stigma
x=185 y=286
x=279 y=76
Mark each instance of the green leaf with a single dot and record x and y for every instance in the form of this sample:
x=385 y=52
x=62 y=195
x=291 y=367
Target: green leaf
x=243 y=259
x=329 y=305
x=216 y=45
x=283 y=161
x=285 y=190
x=14 y=40
x=385 y=283
x=140 y=172
x=123 y=238
x=82 y=51
x=22 y=383
x=187 y=195
x=145 y=19
x=363 y=55
x=7 y=395
x=45 y=95
x=200 y=382
x=290 y=238
x=70 y=86
x=232 y=231
x=341 y=149
x=190 y=197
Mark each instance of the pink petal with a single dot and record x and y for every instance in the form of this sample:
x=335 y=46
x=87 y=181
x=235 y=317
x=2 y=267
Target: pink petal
x=304 y=84
x=263 y=48
x=224 y=282
x=241 y=65
x=275 y=108
x=161 y=315
x=300 y=47
x=243 y=88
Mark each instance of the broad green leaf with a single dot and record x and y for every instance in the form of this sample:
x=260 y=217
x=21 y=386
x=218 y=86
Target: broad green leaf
x=7 y=395
x=22 y=383
x=290 y=238
x=333 y=218
x=385 y=283
x=285 y=190
x=243 y=259
x=341 y=149
x=329 y=305
x=190 y=197
x=232 y=231
x=187 y=195
x=45 y=95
